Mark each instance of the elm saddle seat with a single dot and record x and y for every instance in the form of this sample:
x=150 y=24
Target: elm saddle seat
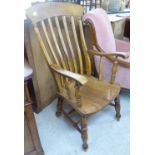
x=59 y=29
x=95 y=95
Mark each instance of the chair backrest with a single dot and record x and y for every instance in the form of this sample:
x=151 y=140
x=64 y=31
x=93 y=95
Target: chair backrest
x=60 y=32
x=103 y=29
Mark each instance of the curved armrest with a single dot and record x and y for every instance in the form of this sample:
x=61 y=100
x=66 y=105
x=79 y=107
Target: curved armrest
x=77 y=77
x=114 y=59
x=117 y=54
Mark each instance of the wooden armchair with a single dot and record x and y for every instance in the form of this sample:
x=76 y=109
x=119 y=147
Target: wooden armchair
x=59 y=28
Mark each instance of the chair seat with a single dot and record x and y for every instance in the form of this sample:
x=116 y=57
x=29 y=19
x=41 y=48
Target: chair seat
x=95 y=95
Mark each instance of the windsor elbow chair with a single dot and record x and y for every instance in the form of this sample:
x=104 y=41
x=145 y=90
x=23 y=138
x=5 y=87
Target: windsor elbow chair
x=59 y=29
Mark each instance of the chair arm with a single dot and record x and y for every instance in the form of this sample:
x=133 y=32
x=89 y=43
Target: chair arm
x=77 y=77
x=117 y=54
x=113 y=56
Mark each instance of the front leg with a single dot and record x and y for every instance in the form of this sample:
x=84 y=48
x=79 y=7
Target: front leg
x=84 y=134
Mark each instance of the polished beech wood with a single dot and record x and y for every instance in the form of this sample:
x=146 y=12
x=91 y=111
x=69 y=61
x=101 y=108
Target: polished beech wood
x=84 y=131
x=77 y=77
x=117 y=54
x=64 y=48
x=69 y=44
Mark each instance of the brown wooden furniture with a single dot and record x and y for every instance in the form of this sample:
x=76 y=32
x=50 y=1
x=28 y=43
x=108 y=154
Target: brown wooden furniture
x=43 y=93
x=32 y=145
x=60 y=34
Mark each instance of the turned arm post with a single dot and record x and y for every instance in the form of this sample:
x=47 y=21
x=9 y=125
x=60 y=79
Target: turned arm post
x=114 y=70
x=77 y=94
x=101 y=68
x=113 y=56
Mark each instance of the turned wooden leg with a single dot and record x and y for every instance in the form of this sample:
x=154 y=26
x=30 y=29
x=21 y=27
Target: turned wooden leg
x=117 y=108
x=84 y=132
x=59 y=107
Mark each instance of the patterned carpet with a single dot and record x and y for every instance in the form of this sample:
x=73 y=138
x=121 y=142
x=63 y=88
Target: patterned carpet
x=106 y=136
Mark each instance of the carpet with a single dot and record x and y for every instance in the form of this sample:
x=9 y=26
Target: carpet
x=106 y=136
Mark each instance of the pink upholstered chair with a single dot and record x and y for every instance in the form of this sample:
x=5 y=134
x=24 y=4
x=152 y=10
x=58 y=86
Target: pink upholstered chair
x=105 y=42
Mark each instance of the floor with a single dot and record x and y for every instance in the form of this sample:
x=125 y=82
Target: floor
x=106 y=136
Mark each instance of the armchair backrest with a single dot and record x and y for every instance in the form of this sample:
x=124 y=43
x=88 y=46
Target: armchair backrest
x=59 y=29
x=103 y=29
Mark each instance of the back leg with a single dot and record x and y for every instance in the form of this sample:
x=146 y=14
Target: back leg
x=117 y=108
x=59 y=107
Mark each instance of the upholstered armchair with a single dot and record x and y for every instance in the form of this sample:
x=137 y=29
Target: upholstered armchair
x=104 y=41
